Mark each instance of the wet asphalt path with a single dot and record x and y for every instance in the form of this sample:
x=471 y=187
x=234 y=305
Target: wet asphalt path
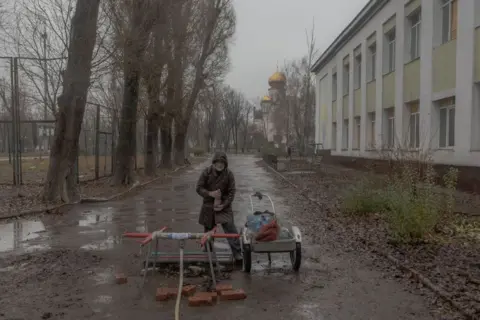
x=330 y=285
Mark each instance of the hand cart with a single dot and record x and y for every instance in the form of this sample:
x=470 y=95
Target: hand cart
x=288 y=241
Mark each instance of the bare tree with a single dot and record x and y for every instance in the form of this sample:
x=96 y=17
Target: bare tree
x=233 y=106
x=246 y=123
x=215 y=21
x=309 y=97
x=134 y=21
x=61 y=177
x=41 y=31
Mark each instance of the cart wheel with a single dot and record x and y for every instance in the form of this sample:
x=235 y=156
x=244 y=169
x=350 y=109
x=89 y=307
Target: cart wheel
x=296 y=257
x=247 y=258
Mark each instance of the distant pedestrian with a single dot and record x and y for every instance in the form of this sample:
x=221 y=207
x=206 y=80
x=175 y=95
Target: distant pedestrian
x=289 y=152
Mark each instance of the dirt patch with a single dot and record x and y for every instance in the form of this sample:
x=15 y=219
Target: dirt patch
x=450 y=258
x=48 y=284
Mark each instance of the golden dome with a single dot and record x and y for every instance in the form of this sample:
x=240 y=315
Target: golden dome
x=277 y=77
x=266 y=98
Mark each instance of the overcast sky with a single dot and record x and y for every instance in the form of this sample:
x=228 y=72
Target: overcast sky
x=272 y=31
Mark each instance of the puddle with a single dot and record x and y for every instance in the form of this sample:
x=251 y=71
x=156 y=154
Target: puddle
x=14 y=235
x=106 y=244
x=102 y=277
x=104 y=299
x=308 y=311
x=300 y=172
x=90 y=218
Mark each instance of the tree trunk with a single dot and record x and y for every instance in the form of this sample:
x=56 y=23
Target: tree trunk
x=61 y=178
x=166 y=142
x=151 y=147
x=179 y=145
x=127 y=143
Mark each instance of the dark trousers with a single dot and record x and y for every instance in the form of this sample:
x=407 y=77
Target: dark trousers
x=229 y=227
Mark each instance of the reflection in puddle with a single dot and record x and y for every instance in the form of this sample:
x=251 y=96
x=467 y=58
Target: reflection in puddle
x=103 y=299
x=90 y=218
x=308 y=311
x=106 y=244
x=102 y=277
x=14 y=234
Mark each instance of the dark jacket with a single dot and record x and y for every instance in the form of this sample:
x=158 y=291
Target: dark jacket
x=211 y=180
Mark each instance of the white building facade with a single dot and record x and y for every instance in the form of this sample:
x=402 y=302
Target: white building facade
x=403 y=74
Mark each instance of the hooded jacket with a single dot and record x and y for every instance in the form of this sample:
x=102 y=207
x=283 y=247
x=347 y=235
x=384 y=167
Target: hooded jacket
x=211 y=180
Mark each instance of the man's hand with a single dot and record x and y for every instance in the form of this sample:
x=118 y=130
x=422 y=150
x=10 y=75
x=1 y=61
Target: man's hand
x=214 y=194
x=219 y=207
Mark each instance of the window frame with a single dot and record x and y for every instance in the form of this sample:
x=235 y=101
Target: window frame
x=415 y=28
x=372 y=121
x=390 y=117
x=416 y=125
x=334 y=86
x=449 y=106
x=357 y=72
x=345 y=137
x=334 y=135
x=449 y=31
x=346 y=79
x=358 y=128
x=372 y=53
x=391 y=48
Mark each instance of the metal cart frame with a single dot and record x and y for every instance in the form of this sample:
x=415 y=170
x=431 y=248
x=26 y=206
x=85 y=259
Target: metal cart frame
x=293 y=246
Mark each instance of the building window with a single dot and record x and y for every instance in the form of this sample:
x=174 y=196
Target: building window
x=447 y=123
x=358 y=71
x=356 y=133
x=334 y=87
x=415 y=23
x=414 y=126
x=391 y=39
x=449 y=20
x=346 y=79
x=390 y=128
x=345 y=134
x=372 y=60
x=334 y=136
x=371 y=130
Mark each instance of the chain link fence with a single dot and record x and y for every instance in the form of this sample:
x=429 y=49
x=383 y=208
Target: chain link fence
x=27 y=133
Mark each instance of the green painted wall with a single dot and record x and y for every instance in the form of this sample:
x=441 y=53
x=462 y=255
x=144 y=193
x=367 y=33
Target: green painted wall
x=477 y=54
x=334 y=111
x=444 y=66
x=345 y=107
x=371 y=96
x=357 y=103
x=388 y=95
x=411 y=81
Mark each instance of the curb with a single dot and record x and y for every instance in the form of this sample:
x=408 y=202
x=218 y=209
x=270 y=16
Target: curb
x=397 y=263
x=49 y=209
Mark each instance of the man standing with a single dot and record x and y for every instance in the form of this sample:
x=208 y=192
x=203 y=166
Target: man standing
x=218 y=182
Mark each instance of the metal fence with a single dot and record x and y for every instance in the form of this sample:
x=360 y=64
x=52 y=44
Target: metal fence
x=26 y=137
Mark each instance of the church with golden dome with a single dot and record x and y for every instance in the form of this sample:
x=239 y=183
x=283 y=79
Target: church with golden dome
x=269 y=103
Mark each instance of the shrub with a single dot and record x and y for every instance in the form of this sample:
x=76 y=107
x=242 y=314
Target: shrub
x=363 y=199
x=411 y=200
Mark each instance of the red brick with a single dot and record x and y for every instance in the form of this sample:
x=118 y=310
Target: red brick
x=164 y=294
x=200 y=299
x=213 y=295
x=120 y=278
x=223 y=287
x=188 y=290
x=237 y=294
